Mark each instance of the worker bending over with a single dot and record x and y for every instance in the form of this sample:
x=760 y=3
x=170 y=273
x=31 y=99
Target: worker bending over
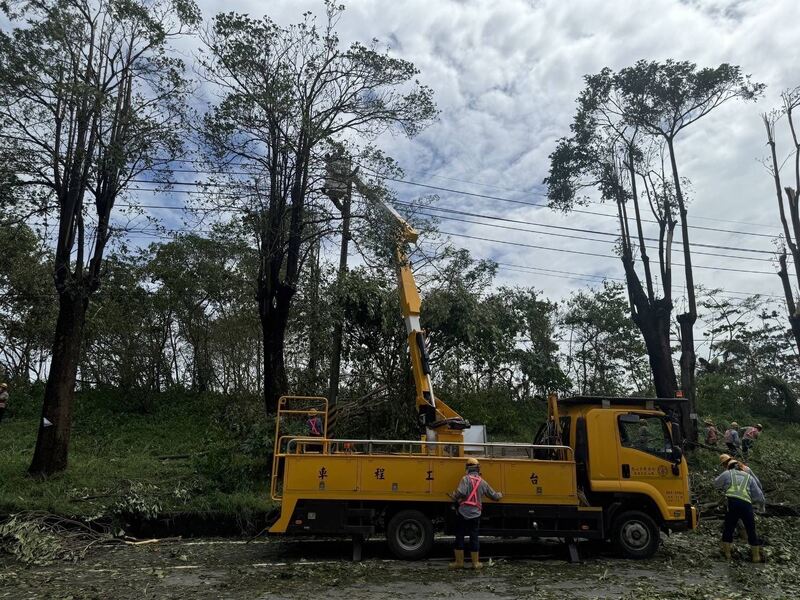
x=742 y=490
x=732 y=438
x=469 y=496
x=749 y=438
x=726 y=459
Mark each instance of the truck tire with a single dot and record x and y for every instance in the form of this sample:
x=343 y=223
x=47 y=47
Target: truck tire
x=410 y=535
x=635 y=534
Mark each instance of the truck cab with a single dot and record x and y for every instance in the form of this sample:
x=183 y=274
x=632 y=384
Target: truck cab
x=628 y=460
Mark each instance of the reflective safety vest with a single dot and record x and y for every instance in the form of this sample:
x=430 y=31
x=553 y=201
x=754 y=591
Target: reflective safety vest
x=474 y=497
x=312 y=422
x=739 y=488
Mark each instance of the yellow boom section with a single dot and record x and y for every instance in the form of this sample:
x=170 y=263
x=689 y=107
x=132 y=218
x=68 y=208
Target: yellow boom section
x=441 y=422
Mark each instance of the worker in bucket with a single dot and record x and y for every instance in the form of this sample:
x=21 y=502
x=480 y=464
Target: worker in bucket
x=742 y=492
x=469 y=495
x=315 y=429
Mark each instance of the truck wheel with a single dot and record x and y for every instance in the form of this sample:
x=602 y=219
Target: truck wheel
x=635 y=534
x=410 y=535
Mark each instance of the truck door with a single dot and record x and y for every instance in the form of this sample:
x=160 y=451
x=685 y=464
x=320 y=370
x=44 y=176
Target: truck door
x=646 y=457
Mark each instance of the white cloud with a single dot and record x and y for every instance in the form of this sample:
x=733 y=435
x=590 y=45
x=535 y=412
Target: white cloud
x=506 y=75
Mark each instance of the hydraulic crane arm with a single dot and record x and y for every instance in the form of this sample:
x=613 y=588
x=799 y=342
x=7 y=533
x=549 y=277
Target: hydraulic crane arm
x=433 y=412
x=436 y=418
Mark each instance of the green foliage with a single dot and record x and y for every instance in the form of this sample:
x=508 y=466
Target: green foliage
x=27 y=302
x=141 y=501
x=606 y=355
x=751 y=364
x=32 y=543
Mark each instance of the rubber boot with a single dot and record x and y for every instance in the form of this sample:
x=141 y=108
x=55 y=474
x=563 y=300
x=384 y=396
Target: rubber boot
x=726 y=550
x=755 y=554
x=476 y=563
x=459 y=562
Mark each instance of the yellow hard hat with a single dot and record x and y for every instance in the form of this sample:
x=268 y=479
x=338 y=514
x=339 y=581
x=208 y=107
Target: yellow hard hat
x=708 y=422
x=312 y=412
x=724 y=458
x=472 y=462
x=734 y=424
x=759 y=426
x=3 y=385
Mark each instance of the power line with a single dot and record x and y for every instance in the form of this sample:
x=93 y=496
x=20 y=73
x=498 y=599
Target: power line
x=576 y=229
x=582 y=238
x=593 y=253
x=513 y=190
x=502 y=219
x=465 y=193
x=586 y=276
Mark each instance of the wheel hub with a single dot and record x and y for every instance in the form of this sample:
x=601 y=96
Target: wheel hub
x=635 y=534
x=410 y=535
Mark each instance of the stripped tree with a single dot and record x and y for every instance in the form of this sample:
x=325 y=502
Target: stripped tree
x=662 y=100
x=791 y=233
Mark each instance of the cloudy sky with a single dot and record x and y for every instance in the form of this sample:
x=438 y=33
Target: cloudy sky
x=505 y=75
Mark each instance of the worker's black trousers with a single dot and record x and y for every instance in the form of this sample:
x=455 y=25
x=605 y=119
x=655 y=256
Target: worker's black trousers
x=747 y=443
x=467 y=527
x=740 y=510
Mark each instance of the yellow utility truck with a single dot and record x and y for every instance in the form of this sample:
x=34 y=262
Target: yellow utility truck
x=599 y=468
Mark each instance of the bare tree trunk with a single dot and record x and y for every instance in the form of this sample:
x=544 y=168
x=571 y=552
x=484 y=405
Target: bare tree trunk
x=52 y=443
x=790 y=240
x=794 y=318
x=313 y=317
x=274 y=323
x=651 y=316
x=688 y=360
x=338 y=327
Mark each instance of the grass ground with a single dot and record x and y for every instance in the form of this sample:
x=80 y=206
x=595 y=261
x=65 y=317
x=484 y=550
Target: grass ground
x=119 y=458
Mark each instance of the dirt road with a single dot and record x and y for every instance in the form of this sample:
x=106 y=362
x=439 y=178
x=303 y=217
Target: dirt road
x=687 y=566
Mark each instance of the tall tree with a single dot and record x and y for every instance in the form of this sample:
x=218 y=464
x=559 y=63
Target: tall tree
x=664 y=99
x=608 y=154
x=90 y=98
x=791 y=225
x=285 y=93
x=621 y=118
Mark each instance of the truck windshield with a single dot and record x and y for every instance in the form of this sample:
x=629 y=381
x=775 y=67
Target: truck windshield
x=649 y=434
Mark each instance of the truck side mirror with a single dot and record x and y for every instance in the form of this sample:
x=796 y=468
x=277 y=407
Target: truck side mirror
x=677 y=454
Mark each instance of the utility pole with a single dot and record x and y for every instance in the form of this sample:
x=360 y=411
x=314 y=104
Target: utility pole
x=339 y=187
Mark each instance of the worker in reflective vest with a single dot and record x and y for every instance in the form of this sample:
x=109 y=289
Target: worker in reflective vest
x=742 y=491
x=469 y=496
